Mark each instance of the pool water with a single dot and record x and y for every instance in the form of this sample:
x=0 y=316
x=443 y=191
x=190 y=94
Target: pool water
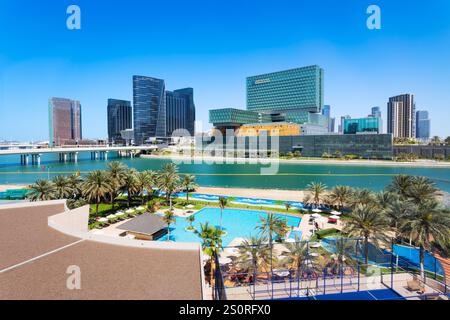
x=237 y=224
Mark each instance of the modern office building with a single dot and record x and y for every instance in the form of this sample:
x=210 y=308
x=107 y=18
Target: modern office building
x=341 y=125
x=367 y=146
x=295 y=90
x=326 y=111
x=180 y=111
x=65 y=125
x=271 y=129
x=149 y=111
x=231 y=118
x=376 y=112
x=423 y=125
x=362 y=125
x=332 y=127
x=119 y=119
x=401 y=116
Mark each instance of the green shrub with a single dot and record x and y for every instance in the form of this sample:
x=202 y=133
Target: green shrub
x=326 y=233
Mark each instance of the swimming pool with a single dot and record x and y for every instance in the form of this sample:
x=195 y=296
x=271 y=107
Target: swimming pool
x=236 y=222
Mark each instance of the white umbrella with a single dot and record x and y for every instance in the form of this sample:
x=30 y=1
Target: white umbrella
x=140 y=208
x=102 y=220
x=336 y=213
x=129 y=211
x=119 y=214
x=335 y=217
x=111 y=216
x=190 y=206
x=315 y=245
x=317 y=211
x=290 y=240
x=314 y=255
x=316 y=216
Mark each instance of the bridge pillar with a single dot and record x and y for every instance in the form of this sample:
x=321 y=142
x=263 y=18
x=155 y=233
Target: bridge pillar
x=106 y=156
x=75 y=157
x=65 y=157
x=38 y=159
x=27 y=159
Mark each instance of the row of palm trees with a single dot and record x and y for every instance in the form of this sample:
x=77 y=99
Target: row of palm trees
x=105 y=185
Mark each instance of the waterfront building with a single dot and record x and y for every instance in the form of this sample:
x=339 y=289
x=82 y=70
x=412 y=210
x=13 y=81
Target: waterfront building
x=180 y=111
x=376 y=112
x=313 y=129
x=231 y=118
x=362 y=125
x=367 y=146
x=401 y=116
x=119 y=119
x=423 y=125
x=149 y=112
x=332 y=125
x=65 y=125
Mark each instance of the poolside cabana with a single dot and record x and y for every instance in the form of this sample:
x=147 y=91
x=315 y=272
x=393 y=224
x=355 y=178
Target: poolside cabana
x=145 y=227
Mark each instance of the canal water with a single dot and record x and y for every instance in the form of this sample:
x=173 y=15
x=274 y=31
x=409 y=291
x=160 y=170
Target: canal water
x=289 y=176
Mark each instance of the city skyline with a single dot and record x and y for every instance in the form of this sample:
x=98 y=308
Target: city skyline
x=356 y=78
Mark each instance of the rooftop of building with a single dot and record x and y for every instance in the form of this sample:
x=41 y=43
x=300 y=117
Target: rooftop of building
x=35 y=257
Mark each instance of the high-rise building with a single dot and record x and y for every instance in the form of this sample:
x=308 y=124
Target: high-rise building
x=119 y=119
x=332 y=127
x=180 y=111
x=423 y=125
x=341 y=125
x=290 y=93
x=326 y=111
x=65 y=123
x=401 y=116
x=376 y=112
x=362 y=125
x=149 y=111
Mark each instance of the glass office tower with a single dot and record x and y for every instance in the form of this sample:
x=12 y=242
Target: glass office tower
x=65 y=123
x=149 y=112
x=423 y=125
x=119 y=119
x=180 y=111
x=294 y=90
x=362 y=125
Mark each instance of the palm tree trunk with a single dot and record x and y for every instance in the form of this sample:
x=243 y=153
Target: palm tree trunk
x=129 y=197
x=212 y=277
x=221 y=212
x=422 y=267
x=96 y=206
x=187 y=196
x=170 y=201
x=168 y=232
x=366 y=250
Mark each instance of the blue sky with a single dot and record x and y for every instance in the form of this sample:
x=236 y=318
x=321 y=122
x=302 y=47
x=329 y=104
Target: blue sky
x=212 y=45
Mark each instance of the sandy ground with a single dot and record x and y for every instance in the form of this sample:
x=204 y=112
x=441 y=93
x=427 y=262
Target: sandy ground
x=3 y=188
x=418 y=163
x=282 y=195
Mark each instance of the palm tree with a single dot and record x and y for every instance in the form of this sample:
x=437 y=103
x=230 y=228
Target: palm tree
x=223 y=202
x=169 y=181
x=211 y=245
x=143 y=182
x=169 y=219
x=268 y=227
x=363 y=197
x=254 y=254
x=396 y=212
x=426 y=224
x=400 y=185
x=340 y=196
x=421 y=189
x=188 y=184
x=42 y=190
x=130 y=184
x=316 y=189
x=75 y=182
x=63 y=188
x=96 y=186
x=296 y=254
x=116 y=171
x=366 y=222
x=190 y=220
x=385 y=199
x=288 y=206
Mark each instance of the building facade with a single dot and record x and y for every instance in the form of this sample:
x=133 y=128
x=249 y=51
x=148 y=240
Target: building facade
x=65 y=124
x=271 y=129
x=423 y=125
x=149 y=111
x=362 y=125
x=376 y=112
x=401 y=116
x=119 y=119
x=180 y=111
x=300 y=89
x=341 y=125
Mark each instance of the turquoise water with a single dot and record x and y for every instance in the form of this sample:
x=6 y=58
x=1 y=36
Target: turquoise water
x=290 y=176
x=237 y=223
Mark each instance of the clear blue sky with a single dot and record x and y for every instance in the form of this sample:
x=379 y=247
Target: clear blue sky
x=212 y=45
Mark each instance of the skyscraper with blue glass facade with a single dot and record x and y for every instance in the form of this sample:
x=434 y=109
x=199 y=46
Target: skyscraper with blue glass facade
x=180 y=111
x=149 y=112
x=423 y=125
x=362 y=125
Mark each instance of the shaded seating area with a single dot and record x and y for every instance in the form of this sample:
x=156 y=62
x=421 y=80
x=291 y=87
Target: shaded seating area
x=144 y=227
